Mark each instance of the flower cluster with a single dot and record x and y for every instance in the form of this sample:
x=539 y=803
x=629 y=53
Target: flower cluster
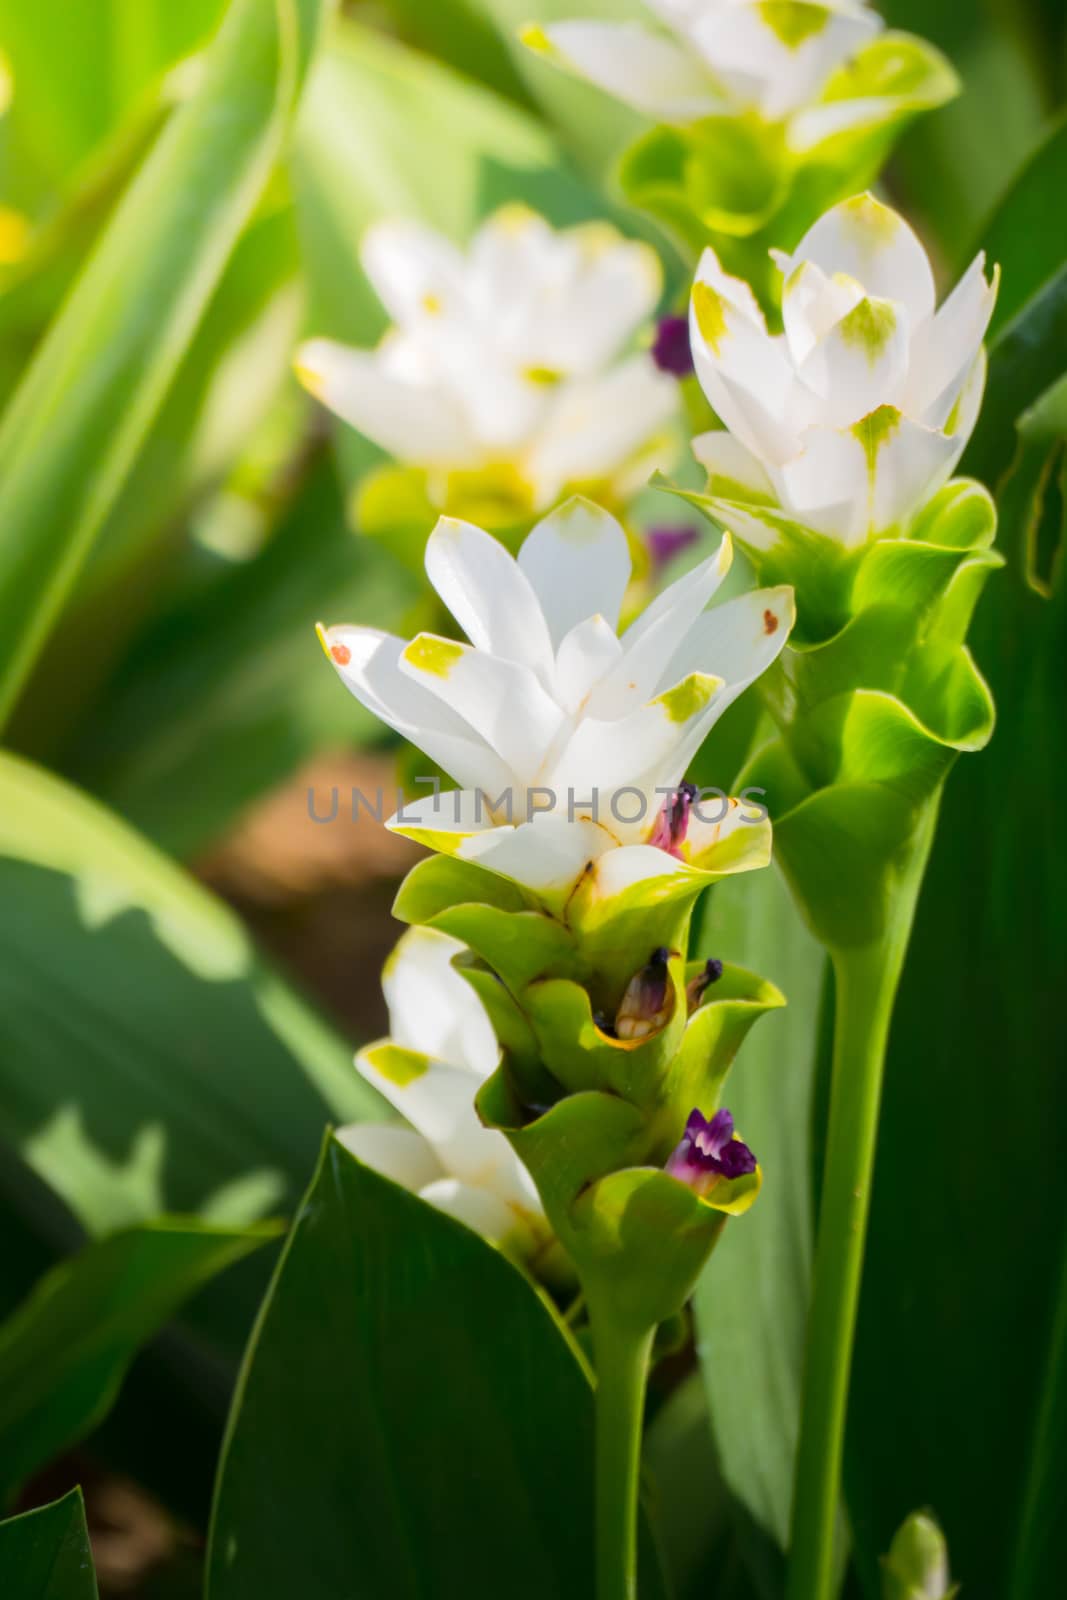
x=508 y=363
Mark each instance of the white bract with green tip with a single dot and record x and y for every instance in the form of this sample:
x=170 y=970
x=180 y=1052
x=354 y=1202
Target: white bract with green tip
x=853 y=417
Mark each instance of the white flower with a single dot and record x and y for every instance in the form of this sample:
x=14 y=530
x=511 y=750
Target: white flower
x=720 y=56
x=547 y=709
x=860 y=410
x=440 y=1051
x=509 y=356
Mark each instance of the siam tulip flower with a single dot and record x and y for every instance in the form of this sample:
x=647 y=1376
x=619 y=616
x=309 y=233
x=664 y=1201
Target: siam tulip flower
x=850 y=420
x=717 y=57
x=568 y=740
x=440 y=1051
x=710 y=1151
x=508 y=360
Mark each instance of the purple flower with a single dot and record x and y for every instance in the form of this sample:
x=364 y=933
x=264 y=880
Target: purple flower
x=672 y=824
x=670 y=349
x=708 y=1151
x=666 y=543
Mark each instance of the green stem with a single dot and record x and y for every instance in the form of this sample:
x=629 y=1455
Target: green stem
x=622 y=1357
x=867 y=978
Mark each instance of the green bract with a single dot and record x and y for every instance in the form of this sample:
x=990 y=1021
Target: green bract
x=874 y=700
x=594 y=1117
x=743 y=184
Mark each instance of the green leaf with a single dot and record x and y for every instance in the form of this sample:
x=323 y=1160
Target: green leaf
x=74 y=429
x=70 y=99
x=64 y=1353
x=414 y=1406
x=968 y=1321
x=752 y=1301
x=149 y=1060
x=45 y=1554
x=1027 y=232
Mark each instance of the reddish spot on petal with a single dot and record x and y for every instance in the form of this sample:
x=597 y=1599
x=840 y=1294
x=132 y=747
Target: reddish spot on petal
x=341 y=654
x=770 y=622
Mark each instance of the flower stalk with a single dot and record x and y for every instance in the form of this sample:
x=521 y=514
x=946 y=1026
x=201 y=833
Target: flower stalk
x=866 y=983
x=622 y=1362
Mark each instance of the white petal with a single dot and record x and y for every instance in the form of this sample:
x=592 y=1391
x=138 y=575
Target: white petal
x=946 y=348
x=414 y=271
x=547 y=855
x=751 y=48
x=651 y=641
x=737 y=641
x=812 y=303
x=438 y=1100
x=432 y=1009
x=861 y=364
x=483 y=1211
x=646 y=70
x=870 y=242
x=443 y=821
x=733 y=472
x=503 y=701
x=602 y=428
x=584 y=657
x=603 y=287
x=415 y=422
x=490 y=597
x=745 y=373
x=397 y=1153
x=368 y=663
x=649 y=747
x=826 y=487
x=867 y=479
x=578 y=561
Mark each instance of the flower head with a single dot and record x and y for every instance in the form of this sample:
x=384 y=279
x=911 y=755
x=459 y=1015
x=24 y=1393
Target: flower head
x=440 y=1051
x=710 y=1151
x=715 y=57
x=510 y=356
x=855 y=415
x=564 y=736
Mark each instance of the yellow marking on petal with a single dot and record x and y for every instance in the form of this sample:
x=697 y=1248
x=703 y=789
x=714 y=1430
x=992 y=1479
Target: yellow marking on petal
x=689 y=697
x=430 y=654
x=791 y=23
x=710 y=308
x=324 y=639
x=15 y=232
x=544 y=377
x=431 y=304
x=869 y=327
x=534 y=37
x=513 y=218
x=311 y=379
x=875 y=224
x=397 y=1065
x=875 y=430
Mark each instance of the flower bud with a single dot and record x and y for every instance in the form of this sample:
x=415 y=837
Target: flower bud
x=709 y=973
x=648 y=1001
x=916 y=1567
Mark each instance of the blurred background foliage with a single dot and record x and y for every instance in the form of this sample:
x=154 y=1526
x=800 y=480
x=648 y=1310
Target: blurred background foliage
x=176 y=212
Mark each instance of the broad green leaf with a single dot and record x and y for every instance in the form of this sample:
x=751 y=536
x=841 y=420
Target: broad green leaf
x=69 y=98
x=149 y=1061
x=1027 y=232
x=962 y=1346
x=752 y=1301
x=414 y=1406
x=227 y=693
x=45 y=1554
x=952 y=163
x=64 y=1352
x=74 y=429
x=461 y=33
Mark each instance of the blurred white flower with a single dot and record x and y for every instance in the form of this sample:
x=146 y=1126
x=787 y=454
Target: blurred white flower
x=860 y=410
x=510 y=355
x=548 y=715
x=720 y=57
x=440 y=1050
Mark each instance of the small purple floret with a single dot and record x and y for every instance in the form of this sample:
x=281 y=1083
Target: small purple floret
x=672 y=824
x=666 y=543
x=709 y=1151
x=670 y=350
